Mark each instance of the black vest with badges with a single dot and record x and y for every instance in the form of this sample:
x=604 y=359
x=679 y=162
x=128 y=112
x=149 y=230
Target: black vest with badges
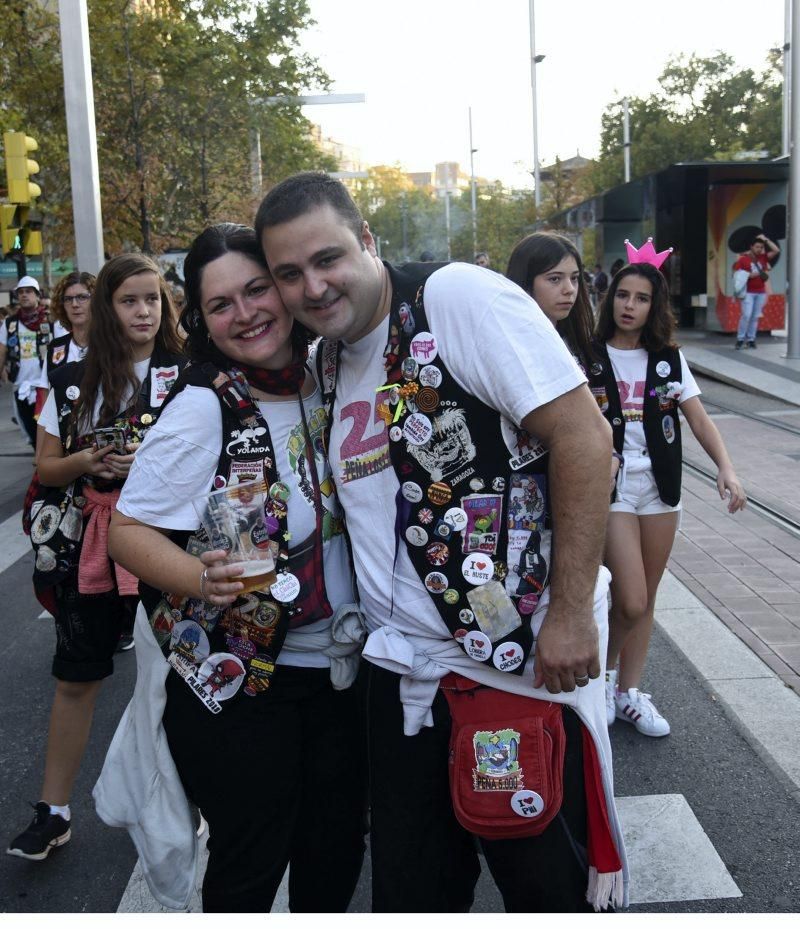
x=57 y=353
x=13 y=346
x=227 y=652
x=56 y=518
x=661 y=422
x=473 y=504
x=135 y=421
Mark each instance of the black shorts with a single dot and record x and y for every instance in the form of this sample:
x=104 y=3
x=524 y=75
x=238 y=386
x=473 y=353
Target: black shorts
x=88 y=628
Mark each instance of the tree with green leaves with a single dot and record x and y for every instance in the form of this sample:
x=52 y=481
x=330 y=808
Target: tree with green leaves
x=180 y=91
x=705 y=109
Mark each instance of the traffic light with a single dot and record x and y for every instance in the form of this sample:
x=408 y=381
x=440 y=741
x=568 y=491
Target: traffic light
x=12 y=241
x=19 y=167
x=31 y=231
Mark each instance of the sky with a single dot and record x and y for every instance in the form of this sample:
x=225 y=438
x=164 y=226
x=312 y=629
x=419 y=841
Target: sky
x=424 y=63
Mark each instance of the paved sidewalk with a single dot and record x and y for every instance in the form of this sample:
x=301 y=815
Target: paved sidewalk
x=742 y=568
x=763 y=370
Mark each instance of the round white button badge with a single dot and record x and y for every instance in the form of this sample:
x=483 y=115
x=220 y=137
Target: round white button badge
x=286 y=588
x=478 y=569
x=416 y=535
x=418 y=429
x=477 y=646
x=424 y=348
x=456 y=518
x=663 y=368
x=430 y=376
x=73 y=392
x=527 y=803
x=507 y=656
x=411 y=491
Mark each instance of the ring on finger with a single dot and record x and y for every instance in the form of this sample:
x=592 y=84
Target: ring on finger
x=582 y=680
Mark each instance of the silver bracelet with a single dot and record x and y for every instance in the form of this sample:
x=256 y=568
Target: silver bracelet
x=203 y=579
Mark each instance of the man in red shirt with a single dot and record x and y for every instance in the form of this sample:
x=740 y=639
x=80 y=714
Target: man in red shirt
x=757 y=261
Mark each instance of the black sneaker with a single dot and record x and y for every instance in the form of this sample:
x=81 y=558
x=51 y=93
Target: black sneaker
x=48 y=830
x=125 y=643
x=739 y=344
x=751 y=343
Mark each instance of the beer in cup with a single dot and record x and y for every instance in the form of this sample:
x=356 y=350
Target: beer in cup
x=234 y=519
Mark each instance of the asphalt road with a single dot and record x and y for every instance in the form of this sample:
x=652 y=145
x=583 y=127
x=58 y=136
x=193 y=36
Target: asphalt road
x=745 y=809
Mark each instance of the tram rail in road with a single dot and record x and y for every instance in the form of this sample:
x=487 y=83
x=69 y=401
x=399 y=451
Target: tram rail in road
x=753 y=503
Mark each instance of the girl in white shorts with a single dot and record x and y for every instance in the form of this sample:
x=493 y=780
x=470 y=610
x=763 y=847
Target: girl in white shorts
x=640 y=383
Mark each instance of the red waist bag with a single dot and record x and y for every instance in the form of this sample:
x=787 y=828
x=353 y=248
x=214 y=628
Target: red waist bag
x=506 y=760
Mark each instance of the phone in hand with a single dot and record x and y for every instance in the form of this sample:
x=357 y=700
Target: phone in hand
x=111 y=435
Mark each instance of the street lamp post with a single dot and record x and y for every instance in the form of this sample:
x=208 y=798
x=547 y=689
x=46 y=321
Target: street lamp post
x=404 y=210
x=793 y=346
x=472 y=189
x=290 y=100
x=535 y=60
x=626 y=138
x=81 y=134
x=787 y=77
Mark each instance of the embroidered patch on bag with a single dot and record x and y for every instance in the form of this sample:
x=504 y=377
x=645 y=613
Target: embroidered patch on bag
x=497 y=761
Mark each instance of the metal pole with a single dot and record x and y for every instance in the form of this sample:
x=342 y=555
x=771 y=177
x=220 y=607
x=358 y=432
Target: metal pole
x=626 y=138
x=793 y=315
x=256 y=179
x=81 y=134
x=447 y=216
x=537 y=194
x=404 y=209
x=472 y=186
x=787 y=78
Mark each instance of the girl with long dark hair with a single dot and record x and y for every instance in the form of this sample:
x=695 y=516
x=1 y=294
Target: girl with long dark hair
x=549 y=268
x=244 y=703
x=641 y=382
x=89 y=429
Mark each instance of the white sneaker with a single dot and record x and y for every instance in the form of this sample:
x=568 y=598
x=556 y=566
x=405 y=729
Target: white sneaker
x=637 y=708
x=611 y=693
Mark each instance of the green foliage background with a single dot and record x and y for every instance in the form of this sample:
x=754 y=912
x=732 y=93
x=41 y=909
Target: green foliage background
x=179 y=85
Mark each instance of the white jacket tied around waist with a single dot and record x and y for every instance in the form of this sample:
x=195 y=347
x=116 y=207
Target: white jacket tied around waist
x=139 y=788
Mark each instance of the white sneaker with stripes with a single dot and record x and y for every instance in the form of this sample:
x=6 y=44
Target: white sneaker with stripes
x=637 y=708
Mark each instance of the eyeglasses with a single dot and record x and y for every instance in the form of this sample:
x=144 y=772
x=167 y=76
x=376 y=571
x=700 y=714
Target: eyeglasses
x=78 y=298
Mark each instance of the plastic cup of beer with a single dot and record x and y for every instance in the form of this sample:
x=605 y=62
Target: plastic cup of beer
x=234 y=520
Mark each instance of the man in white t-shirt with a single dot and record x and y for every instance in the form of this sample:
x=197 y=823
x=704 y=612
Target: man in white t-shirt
x=500 y=349
x=23 y=341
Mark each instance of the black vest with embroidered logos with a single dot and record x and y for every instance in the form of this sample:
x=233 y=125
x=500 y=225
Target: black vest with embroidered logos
x=64 y=548
x=252 y=630
x=660 y=418
x=12 y=344
x=473 y=504
x=57 y=353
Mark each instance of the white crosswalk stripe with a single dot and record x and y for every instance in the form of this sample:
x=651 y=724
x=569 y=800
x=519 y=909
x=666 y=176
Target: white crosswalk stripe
x=13 y=541
x=671 y=860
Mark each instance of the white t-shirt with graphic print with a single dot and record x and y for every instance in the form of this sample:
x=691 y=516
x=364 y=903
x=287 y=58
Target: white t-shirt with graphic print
x=498 y=346
x=178 y=461
x=630 y=371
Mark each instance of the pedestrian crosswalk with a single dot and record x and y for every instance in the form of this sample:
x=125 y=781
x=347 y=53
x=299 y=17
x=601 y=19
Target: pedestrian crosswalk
x=671 y=860
x=13 y=541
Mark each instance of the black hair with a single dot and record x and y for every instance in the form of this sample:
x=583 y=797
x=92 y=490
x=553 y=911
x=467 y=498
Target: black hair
x=538 y=253
x=303 y=192
x=213 y=243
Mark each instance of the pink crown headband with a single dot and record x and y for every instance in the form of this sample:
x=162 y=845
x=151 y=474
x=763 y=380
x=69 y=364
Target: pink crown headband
x=646 y=254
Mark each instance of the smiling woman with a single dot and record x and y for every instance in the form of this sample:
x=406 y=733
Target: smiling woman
x=245 y=671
